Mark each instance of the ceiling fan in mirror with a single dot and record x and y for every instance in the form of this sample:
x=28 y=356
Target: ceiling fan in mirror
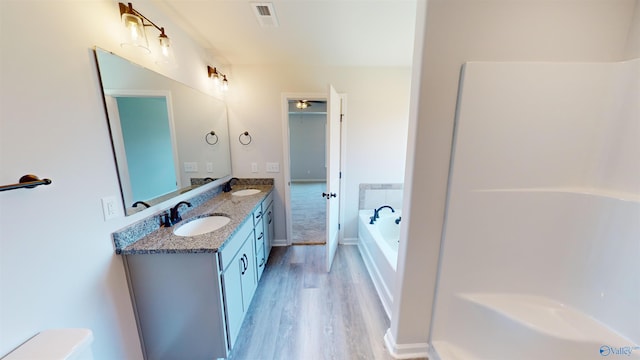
x=303 y=104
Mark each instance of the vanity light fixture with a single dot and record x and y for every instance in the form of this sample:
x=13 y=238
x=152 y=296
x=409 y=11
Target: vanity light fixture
x=219 y=78
x=135 y=35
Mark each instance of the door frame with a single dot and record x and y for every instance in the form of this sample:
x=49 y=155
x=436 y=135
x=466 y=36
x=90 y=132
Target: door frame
x=286 y=146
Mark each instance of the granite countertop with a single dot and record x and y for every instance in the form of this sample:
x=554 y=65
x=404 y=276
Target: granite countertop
x=237 y=208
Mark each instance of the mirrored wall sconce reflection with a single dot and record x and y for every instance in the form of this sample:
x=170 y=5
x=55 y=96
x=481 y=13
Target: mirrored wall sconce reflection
x=135 y=34
x=219 y=79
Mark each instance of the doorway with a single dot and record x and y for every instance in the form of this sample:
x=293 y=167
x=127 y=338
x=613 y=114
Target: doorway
x=307 y=120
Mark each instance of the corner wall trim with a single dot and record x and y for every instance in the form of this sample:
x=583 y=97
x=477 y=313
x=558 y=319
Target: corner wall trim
x=405 y=351
x=349 y=241
x=279 y=242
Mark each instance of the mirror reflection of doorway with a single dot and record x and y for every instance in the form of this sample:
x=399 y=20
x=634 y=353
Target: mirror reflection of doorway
x=307 y=139
x=143 y=137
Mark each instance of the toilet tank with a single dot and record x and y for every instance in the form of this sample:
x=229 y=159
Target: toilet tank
x=55 y=344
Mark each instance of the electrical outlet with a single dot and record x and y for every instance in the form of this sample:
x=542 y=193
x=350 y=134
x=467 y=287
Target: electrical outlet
x=191 y=167
x=110 y=207
x=273 y=167
x=254 y=167
x=209 y=167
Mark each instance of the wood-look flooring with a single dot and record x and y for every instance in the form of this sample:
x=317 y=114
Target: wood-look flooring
x=300 y=312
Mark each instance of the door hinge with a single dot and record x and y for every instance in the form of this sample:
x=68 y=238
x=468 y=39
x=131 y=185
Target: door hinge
x=341 y=116
x=338 y=226
x=340 y=175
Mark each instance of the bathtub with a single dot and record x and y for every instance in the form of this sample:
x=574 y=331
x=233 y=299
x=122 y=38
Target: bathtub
x=378 y=246
x=533 y=274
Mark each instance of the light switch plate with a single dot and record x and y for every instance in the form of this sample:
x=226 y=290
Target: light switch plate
x=209 y=167
x=273 y=167
x=254 y=167
x=110 y=208
x=190 y=167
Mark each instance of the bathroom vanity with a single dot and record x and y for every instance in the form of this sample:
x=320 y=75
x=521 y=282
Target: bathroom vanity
x=191 y=293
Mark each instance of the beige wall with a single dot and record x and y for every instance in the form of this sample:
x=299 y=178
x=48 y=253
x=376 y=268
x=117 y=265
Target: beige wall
x=493 y=30
x=375 y=125
x=57 y=264
x=57 y=261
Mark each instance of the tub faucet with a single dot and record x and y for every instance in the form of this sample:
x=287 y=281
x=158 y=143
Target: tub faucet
x=174 y=213
x=227 y=185
x=376 y=214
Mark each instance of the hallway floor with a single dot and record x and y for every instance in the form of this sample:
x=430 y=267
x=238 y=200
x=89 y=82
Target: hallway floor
x=300 y=312
x=308 y=212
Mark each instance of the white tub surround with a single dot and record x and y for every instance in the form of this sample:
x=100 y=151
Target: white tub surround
x=540 y=250
x=378 y=246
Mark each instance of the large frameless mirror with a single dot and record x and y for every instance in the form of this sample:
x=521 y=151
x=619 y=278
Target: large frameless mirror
x=167 y=137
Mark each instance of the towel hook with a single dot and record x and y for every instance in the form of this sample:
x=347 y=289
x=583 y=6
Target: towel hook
x=246 y=142
x=213 y=135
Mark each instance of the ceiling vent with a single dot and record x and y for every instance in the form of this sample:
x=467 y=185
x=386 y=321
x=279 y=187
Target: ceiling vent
x=266 y=14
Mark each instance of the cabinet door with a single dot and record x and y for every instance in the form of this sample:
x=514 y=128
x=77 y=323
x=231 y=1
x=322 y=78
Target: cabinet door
x=269 y=230
x=259 y=249
x=261 y=261
x=234 y=309
x=248 y=276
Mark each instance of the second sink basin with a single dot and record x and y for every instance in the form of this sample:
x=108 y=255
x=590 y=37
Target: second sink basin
x=245 y=192
x=202 y=225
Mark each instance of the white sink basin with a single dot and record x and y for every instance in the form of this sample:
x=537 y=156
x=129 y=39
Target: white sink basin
x=201 y=225
x=245 y=192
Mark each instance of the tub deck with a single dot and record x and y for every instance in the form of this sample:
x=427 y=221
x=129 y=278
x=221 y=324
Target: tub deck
x=528 y=327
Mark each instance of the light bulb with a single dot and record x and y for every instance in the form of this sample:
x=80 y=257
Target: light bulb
x=166 y=50
x=225 y=83
x=134 y=34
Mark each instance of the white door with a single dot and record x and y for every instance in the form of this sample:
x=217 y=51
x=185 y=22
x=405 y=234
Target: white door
x=333 y=173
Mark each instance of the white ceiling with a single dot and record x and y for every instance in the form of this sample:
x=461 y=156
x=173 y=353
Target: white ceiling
x=311 y=32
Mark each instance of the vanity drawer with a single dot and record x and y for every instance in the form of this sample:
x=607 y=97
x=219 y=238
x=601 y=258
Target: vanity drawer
x=259 y=234
x=267 y=201
x=234 y=244
x=261 y=262
x=257 y=215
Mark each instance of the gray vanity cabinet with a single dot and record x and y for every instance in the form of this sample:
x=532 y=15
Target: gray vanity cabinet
x=179 y=306
x=191 y=305
x=269 y=226
x=263 y=224
x=239 y=284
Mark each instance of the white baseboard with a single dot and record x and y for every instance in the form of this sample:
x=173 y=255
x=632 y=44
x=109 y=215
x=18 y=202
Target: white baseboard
x=283 y=242
x=349 y=241
x=405 y=351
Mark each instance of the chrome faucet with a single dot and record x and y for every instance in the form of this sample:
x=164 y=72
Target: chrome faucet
x=227 y=185
x=174 y=212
